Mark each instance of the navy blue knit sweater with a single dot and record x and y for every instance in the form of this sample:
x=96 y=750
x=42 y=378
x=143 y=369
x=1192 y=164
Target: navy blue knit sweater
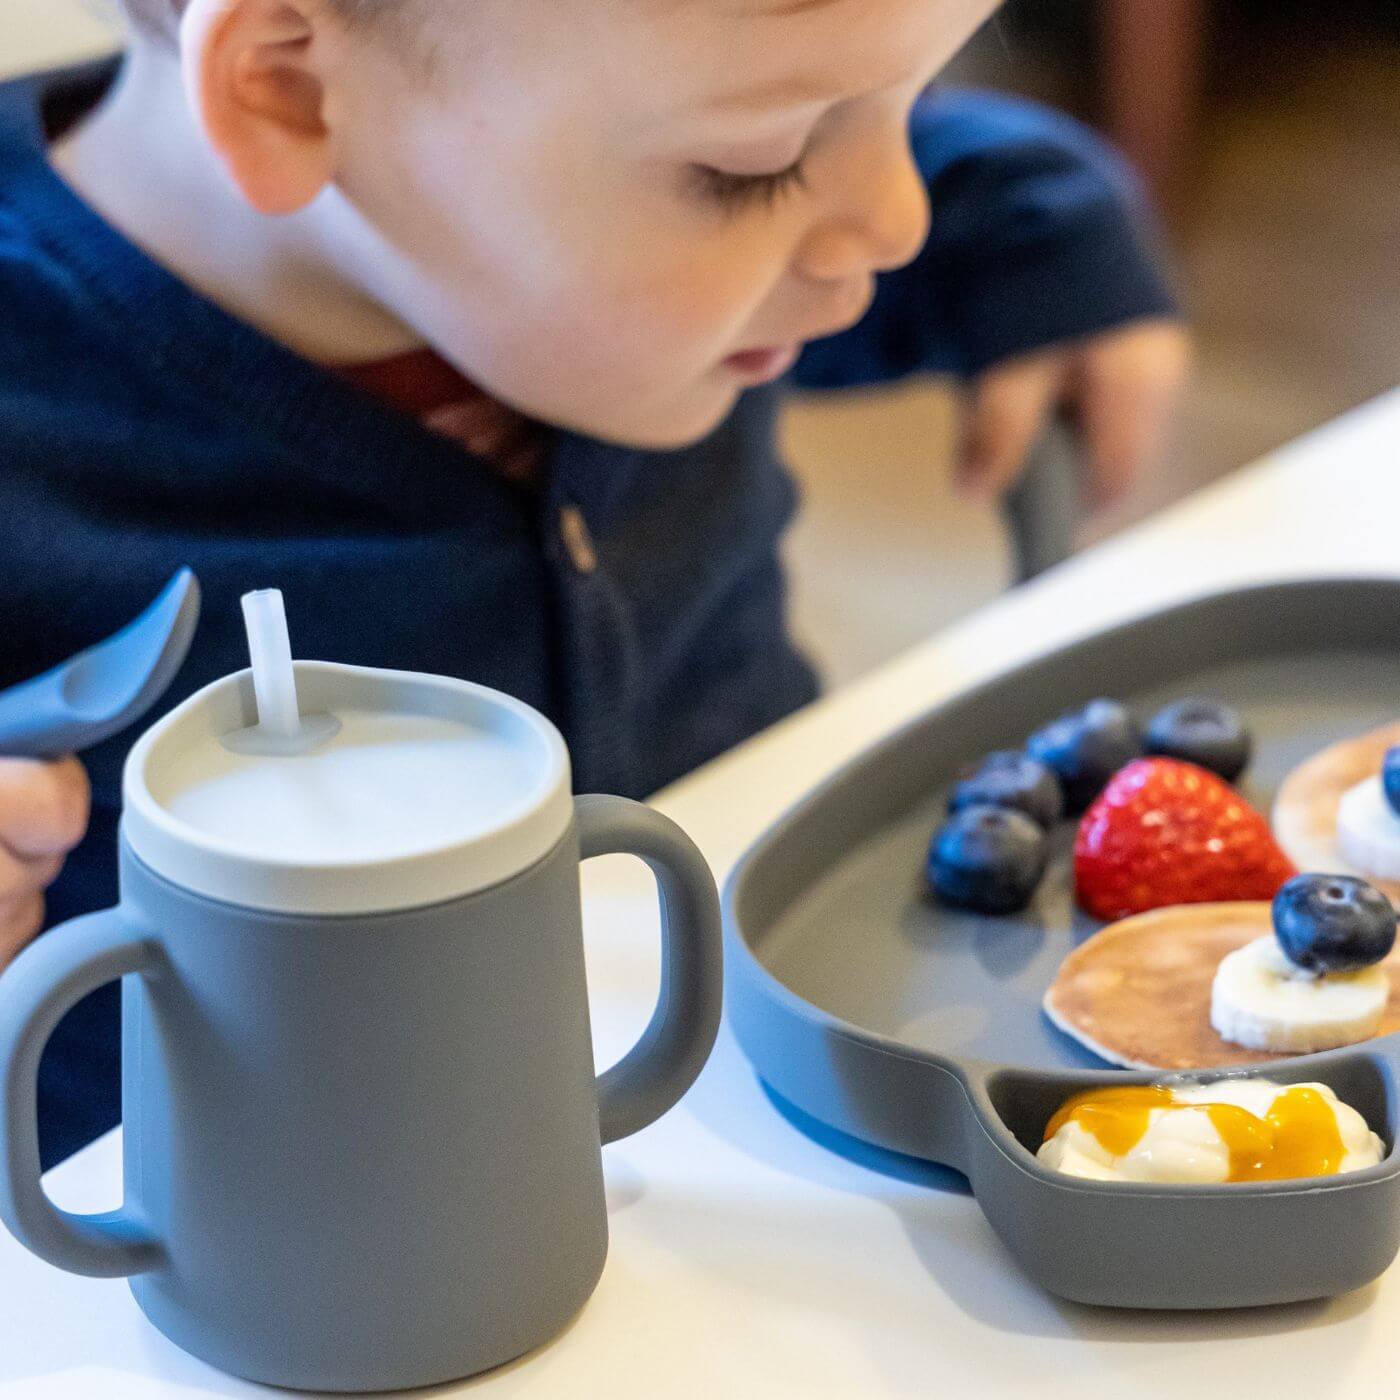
x=143 y=428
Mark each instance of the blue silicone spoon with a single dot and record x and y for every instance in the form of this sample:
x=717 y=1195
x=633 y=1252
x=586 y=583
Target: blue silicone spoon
x=102 y=690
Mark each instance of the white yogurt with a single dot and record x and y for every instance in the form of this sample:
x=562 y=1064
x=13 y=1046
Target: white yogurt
x=1182 y=1146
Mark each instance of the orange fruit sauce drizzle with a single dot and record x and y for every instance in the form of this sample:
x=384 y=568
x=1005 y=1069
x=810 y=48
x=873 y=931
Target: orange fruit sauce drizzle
x=1298 y=1137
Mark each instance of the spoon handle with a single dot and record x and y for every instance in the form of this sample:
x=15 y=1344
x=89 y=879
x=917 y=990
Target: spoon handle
x=105 y=687
x=36 y=721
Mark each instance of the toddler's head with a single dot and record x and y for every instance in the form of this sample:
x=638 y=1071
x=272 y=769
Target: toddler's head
x=613 y=214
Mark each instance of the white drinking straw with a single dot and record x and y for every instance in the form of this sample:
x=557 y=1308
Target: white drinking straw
x=270 y=648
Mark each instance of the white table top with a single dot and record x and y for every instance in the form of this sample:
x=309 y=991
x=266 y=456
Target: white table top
x=746 y=1260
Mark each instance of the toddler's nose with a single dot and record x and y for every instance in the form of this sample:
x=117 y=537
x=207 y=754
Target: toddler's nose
x=881 y=223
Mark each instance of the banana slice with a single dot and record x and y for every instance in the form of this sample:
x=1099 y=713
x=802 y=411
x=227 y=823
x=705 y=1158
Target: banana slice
x=1305 y=811
x=1368 y=831
x=1264 y=1002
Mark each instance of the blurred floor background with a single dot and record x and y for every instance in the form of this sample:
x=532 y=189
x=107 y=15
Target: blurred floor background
x=45 y=33
x=1286 y=231
x=1287 y=237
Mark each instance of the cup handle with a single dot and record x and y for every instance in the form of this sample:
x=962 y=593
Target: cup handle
x=673 y=1049
x=49 y=977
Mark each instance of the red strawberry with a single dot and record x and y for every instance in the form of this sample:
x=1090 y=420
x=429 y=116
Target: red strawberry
x=1165 y=832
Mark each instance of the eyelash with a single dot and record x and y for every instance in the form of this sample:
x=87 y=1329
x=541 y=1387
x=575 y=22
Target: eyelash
x=735 y=192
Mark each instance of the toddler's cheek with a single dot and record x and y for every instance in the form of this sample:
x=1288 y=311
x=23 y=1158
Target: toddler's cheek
x=690 y=316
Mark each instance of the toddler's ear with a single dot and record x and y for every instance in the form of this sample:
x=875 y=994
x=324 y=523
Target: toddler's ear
x=251 y=71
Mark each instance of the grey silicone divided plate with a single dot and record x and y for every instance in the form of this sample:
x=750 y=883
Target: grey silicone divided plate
x=887 y=1017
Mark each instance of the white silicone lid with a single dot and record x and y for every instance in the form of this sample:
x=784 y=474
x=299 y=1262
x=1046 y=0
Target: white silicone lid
x=432 y=789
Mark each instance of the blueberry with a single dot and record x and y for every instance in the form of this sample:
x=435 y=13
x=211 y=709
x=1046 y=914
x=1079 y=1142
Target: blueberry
x=1203 y=732
x=1333 y=923
x=1011 y=779
x=987 y=859
x=1390 y=778
x=1085 y=748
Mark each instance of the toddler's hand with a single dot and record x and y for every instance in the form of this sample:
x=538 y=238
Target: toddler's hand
x=43 y=814
x=1120 y=387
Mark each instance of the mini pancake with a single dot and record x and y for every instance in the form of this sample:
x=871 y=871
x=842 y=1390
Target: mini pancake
x=1305 y=811
x=1138 y=992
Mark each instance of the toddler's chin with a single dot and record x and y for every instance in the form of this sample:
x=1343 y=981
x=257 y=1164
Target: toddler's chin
x=676 y=427
x=663 y=430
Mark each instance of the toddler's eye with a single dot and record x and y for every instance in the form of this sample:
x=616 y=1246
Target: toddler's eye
x=732 y=191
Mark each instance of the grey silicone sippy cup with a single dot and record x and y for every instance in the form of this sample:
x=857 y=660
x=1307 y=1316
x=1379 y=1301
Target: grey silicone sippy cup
x=362 y=1129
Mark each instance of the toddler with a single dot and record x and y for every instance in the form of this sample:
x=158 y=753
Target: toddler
x=465 y=323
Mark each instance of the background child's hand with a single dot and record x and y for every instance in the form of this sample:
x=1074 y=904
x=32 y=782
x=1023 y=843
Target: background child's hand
x=43 y=814
x=1121 y=387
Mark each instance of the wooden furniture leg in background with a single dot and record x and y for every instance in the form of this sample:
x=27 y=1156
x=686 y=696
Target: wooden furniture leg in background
x=1152 y=77
x=1044 y=510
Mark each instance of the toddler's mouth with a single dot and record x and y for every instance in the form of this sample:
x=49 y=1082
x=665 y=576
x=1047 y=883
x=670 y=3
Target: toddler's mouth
x=764 y=364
